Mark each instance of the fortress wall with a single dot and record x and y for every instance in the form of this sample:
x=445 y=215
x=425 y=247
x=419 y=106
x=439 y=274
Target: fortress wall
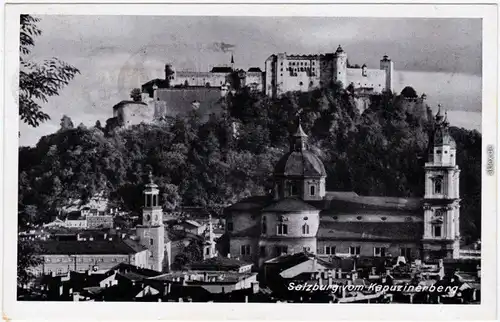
x=135 y=113
x=200 y=79
x=302 y=82
x=375 y=79
x=256 y=78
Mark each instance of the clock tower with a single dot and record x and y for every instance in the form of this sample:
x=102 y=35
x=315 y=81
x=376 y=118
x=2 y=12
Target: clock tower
x=152 y=232
x=441 y=237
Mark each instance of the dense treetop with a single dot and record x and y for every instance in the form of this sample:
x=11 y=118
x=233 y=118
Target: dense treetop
x=381 y=152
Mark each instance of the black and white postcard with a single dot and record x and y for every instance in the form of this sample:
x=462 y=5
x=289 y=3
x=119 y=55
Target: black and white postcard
x=282 y=161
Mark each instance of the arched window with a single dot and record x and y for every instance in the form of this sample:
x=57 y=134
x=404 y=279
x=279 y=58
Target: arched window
x=305 y=229
x=294 y=189
x=282 y=229
x=312 y=190
x=264 y=225
x=438 y=185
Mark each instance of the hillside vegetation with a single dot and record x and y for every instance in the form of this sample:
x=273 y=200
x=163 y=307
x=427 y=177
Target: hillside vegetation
x=381 y=152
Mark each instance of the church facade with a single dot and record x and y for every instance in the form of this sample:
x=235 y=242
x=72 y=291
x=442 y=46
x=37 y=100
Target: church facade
x=300 y=215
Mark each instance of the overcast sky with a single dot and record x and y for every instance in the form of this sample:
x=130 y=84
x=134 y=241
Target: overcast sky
x=441 y=57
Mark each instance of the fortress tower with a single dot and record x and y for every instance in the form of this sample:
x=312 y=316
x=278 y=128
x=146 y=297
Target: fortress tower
x=340 y=67
x=387 y=65
x=441 y=201
x=152 y=232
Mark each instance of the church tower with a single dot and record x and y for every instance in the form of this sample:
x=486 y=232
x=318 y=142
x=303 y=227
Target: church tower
x=152 y=232
x=441 y=237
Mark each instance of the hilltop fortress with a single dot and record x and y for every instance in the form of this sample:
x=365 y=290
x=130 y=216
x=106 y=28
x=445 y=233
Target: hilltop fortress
x=181 y=91
x=286 y=73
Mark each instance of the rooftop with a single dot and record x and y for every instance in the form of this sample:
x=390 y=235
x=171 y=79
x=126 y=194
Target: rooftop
x=95 y=247
x=410 y=231
x=126 y=102
x=300 y=163
x=221 y=69
x=289 y=205
x=219 y=263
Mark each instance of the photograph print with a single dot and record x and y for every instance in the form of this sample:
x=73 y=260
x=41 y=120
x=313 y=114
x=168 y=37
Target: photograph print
x=249 y=159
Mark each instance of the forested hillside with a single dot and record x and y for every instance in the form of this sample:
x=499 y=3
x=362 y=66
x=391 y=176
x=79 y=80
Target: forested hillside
x=381 y=152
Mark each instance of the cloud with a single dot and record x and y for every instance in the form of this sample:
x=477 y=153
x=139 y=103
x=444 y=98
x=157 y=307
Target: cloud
x=222 y=46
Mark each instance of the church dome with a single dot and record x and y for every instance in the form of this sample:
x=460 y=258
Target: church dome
x=301 y=164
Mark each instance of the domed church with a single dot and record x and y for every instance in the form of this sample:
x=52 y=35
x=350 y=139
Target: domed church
x=300 y=215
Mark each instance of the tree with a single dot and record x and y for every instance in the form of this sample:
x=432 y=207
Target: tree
x=409 y=92
x=136 y=95
x=27 y=258
x=66 y=123
x=38 y=82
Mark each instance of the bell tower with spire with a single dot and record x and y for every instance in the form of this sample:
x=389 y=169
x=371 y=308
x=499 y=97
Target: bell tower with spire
x=152 y=232
x=441 y=237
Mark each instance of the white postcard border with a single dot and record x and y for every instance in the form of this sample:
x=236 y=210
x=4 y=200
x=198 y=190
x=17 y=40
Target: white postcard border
x=13 y=309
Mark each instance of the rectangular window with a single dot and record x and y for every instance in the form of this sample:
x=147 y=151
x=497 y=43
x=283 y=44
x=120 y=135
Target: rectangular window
x=437 y=231
x=207 y=252
x=330 y=250
x=230 y=226
x=245 y=250
x=355 y=250
x=282 y=229
x=151 y=241
x=312 y=190
x=280 y=250
x=379 y=251
x=262 y=251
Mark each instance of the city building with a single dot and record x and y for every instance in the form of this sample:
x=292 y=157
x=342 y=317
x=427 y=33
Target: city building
x=300 y=215
x=61 y=257
x=284 y=73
